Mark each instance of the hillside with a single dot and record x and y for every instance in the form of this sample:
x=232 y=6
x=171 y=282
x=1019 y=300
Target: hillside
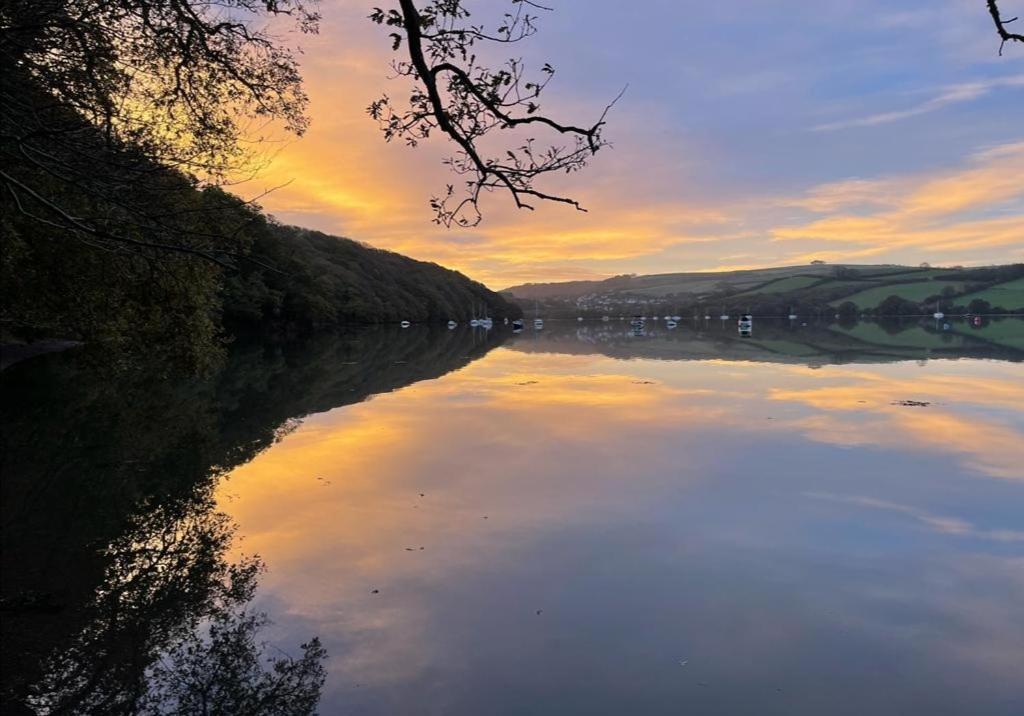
x=120 y=250
x=225 y=269
x=324 y=281
x=775 y=291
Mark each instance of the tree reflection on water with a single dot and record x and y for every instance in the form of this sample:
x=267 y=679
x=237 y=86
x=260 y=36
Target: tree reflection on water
x=119 y=596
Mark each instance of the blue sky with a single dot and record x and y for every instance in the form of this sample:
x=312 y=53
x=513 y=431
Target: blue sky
x=740 y=118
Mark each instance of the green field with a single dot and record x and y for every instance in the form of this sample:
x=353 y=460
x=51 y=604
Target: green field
x=812 y=284
x=1005 y=332
x=1008 y=295
x=914 y=337
x=665 y=289
x=903 y=275
x=917 y=291
x=791 y=348
x=791 y=283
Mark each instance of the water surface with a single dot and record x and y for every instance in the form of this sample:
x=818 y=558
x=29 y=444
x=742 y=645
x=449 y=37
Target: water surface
x=590 y=519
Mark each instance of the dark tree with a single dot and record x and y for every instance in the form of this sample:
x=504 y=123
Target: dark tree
x=457 y=94
x=979 y=306
x=179 y=80
x=897 y=306
x=113 y=111
x=848 y=308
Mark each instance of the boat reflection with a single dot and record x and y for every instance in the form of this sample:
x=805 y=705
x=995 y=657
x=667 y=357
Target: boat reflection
x=781 y=341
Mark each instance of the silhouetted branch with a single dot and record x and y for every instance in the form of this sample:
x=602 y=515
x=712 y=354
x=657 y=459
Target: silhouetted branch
x=467 y=101
x=1004 y=34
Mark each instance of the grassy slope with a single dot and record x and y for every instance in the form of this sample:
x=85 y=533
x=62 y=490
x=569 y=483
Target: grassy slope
x=916 y=291
x=705 y=282
x=867 y=287
x=1006 y=332
x=1007 y=295
x=790 y=283
x=915 y=337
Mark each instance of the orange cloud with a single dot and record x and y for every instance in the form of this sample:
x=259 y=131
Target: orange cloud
x=974 y=208
x=649 y=208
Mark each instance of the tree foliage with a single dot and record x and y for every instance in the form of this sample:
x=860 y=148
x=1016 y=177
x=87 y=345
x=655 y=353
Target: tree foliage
x=329 y=281
x=177 y=80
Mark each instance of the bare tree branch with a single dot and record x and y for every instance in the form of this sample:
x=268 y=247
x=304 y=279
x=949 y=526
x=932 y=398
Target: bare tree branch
x=1004 y=34
x=467 y=101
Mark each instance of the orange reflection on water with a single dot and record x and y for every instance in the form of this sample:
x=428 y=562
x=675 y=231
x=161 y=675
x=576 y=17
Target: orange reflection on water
x=409 y=492
x=973 y=416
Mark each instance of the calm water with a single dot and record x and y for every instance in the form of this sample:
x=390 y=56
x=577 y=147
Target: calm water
x=573 y=521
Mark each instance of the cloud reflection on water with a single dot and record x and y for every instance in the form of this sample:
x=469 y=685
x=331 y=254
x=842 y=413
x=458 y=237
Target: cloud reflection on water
x=652 y=510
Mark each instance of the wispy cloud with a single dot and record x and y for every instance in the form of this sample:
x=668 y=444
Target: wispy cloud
x=976 y=206
x=954 y=94
x=707 y=170
x=938 y=523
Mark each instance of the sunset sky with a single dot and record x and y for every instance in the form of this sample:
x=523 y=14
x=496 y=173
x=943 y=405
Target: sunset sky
x=752 y=134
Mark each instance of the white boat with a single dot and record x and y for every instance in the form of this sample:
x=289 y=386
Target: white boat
x=579 y=318
x=474 y=322
x=792 y=316
x=707 y=316
x=405 y=324
x=938 y=314
x=452 y=324
x=677 y=319
x=724 y=316
x=517 y=323
x=538 y=322
x=670 y=323
x=746 y=322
